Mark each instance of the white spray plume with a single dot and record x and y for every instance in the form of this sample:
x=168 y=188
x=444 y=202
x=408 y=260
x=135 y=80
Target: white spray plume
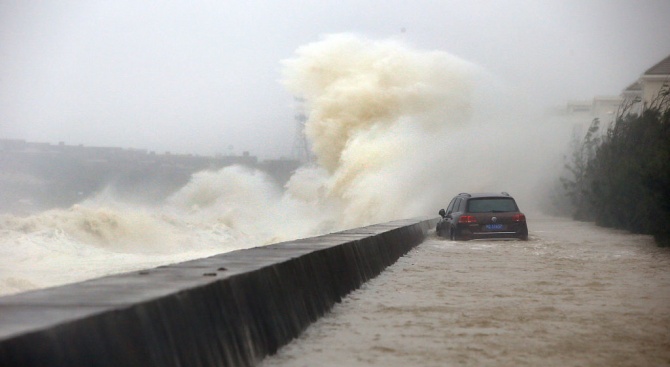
x=375 y=111
x=396 y=132
x=354 y=86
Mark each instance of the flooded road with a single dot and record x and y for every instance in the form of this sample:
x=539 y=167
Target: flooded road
x=573 y=295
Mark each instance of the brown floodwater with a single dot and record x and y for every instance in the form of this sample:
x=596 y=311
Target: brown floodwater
x=573 y=295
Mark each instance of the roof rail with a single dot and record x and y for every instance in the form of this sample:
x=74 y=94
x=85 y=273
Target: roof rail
x=505 y=193
x=464 y=194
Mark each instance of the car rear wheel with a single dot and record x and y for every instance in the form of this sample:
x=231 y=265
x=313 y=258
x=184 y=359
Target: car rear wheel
x=452 y=234
x=524 y=235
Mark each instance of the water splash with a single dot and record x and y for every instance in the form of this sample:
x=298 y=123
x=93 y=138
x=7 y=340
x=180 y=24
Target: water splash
x=376 y=109
x=396 y=132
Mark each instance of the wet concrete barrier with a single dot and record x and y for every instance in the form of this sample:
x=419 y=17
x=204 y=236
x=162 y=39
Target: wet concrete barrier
x=227 y=310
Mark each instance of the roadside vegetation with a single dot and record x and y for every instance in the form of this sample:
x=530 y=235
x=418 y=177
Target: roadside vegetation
x=620 y=177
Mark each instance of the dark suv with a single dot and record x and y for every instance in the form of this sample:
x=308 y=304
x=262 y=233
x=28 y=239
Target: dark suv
x=482 y=216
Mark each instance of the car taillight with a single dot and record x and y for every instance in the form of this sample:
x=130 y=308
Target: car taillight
x=467 y=219
x=518 y=218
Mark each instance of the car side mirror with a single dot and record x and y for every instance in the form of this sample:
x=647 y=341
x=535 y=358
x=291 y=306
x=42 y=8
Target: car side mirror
x=442 y=213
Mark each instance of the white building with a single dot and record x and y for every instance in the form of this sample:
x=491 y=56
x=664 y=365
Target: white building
x=650 y=83
x=639 y=94
x=602 y=107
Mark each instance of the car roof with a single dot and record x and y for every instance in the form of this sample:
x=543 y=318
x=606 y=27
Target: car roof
x=486 y=195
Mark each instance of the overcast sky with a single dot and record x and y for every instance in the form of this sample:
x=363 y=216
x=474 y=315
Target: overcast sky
x=203 y=77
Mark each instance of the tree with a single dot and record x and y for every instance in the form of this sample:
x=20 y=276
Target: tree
x=576 y=187
x=622 y=180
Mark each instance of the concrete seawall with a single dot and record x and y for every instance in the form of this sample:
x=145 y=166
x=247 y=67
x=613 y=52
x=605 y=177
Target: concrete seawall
x=227 y=310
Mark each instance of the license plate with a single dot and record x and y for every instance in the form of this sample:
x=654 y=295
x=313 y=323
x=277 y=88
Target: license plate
x=494 y=227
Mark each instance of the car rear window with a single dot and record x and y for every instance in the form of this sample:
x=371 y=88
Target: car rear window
x=484 y=205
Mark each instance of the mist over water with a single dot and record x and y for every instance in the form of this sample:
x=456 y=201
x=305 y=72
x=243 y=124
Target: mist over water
x=396 y=133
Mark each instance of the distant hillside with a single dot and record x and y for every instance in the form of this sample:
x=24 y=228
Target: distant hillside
x=38 y=176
